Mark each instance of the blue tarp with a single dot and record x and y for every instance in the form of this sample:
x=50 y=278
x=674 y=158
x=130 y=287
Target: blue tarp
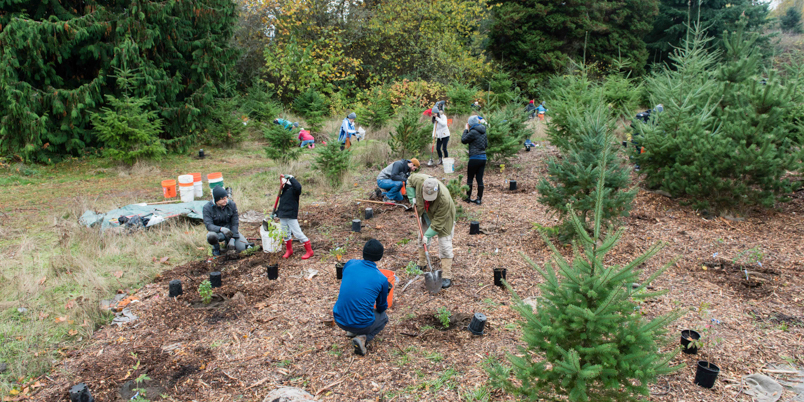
x=192 y=210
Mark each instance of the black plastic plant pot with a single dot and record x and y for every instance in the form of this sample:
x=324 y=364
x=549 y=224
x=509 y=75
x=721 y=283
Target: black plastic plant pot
x=478 y=324
x=369 y=213
x=706 y=374
x=273 y=272
x=339 y=270
x=215 y=279
x=356 y=225
x=499 y=275
x=512 y=185
x=474 y=228
x=201 y=153
x=174 y=288
x=80 y=393
x=688 y=336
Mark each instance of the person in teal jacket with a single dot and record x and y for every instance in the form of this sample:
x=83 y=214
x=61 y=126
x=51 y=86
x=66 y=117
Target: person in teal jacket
x=286 y=123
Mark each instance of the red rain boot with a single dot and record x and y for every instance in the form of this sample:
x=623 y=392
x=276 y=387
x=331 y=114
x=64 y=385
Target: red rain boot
x=309 y=249
x=289 y=246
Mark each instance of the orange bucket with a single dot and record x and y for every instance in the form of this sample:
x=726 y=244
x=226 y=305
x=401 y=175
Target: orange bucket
x=169 y=188
x=196 y=177
x=213 y=176
x=392 y=280
x=449 y=122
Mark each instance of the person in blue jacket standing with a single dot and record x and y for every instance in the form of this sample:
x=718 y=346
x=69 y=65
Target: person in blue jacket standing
x=362 y=288
x=347 y=131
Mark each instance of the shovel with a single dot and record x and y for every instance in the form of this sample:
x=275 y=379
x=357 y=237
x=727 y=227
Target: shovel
x=432 y=279
x=407 y=208
x=432 y=148
x=277 y=196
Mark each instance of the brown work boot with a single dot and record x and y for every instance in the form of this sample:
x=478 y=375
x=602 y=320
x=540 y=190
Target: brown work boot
x=359 y=342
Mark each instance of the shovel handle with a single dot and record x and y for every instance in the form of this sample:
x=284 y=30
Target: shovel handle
x=276 y=203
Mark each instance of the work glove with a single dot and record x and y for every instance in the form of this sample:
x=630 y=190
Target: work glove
x=429 y=234
x=231 y=245
x=411 y=195
x=226 y=232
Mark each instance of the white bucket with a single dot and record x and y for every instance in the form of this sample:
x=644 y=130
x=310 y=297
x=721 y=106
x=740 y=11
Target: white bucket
x=187 y=193
x=269 y=245
x=449 y=165
x=185 y=179
x=198 y=189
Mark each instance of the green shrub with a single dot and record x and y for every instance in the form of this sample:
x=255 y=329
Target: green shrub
x=457 y=189
x=314 y=107
x=570 y=96
x=572 y=184
x=283 y=144
x=461 y=98
x=332 y=162
x=378 y=111
x=128 y=131
x=410 y=136
x=502 y=91
x=586 y=339
x=622 y=94
x=205 y=291
x=443 y=314
x=506 y=131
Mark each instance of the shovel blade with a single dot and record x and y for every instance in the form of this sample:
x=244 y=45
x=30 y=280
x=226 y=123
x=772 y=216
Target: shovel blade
x=432 y=281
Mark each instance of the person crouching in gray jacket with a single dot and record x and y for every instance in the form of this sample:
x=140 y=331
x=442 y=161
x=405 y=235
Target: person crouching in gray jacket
x=393 y=178
x=222 y=222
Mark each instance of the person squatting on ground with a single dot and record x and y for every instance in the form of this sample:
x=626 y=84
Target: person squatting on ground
x=307 y=140
x=347 y=131
x=437 y=213
x=441 y=133
x=475 y=137
x=222 y=222
x=362 y=288
x=392 y=179
x=286 y=123
x=288 y=213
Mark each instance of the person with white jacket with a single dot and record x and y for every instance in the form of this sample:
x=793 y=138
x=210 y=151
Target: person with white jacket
x=441 y=134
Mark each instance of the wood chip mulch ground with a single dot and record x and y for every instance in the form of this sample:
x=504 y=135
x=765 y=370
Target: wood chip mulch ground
x=269 y=333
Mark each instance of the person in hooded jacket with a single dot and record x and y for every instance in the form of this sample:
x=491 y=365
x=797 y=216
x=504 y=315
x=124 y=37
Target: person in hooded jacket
x=288 y=213
x=347 y=131
x=222 y=222
x=441 y=133
x=475 y=136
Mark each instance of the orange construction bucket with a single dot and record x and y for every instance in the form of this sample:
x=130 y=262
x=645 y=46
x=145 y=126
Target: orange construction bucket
x=392 y=280
x=169 y=188
x=196 y=177
x=449 y=122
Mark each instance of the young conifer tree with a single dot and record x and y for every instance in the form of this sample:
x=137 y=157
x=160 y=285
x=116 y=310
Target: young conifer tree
x=572 y=184
x=313 y=106
x=586 y=339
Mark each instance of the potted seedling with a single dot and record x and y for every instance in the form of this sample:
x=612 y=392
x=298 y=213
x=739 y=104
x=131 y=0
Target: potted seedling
x=338 y=253
x=707 y=371
x=691 y=339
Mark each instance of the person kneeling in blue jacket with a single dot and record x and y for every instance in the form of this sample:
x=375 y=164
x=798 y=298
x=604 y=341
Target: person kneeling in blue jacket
x=363 y=286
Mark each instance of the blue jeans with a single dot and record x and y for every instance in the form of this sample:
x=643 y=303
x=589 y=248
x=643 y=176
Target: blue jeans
x=305 y=143
x=392 y=187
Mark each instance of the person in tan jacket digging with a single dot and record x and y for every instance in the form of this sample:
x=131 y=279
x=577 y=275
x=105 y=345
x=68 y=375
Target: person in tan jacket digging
x=437 y=213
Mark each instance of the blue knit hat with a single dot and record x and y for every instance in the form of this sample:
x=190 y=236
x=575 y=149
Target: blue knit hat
x=473 y=120
x=351 y=116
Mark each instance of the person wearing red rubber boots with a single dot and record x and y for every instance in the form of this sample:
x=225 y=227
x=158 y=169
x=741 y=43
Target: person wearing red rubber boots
x=288 y=213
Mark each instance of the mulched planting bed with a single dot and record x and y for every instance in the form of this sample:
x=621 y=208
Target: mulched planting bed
x=272 y=333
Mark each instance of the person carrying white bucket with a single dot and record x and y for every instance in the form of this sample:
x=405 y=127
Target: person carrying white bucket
x=475 y=136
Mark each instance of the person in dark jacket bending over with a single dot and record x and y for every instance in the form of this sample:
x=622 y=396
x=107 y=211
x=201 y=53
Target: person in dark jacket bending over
x=222 y=222
x=475 y=136
x=363 y=298
x=288 y=213
x=394 y=176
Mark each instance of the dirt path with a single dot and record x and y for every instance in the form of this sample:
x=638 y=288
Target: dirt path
x=273 y=333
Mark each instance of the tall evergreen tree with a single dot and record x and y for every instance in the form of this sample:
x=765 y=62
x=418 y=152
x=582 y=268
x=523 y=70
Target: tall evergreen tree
x=538 y=37
x=57 y=61
x=714 y=16
x=725 y=137
x=791 y=21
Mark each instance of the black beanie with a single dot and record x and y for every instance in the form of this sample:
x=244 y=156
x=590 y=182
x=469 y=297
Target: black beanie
x=373 y=250
x=218 y=192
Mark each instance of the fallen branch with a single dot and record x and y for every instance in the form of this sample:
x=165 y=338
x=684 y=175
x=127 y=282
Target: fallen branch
x=329 y=386
x=258 y=383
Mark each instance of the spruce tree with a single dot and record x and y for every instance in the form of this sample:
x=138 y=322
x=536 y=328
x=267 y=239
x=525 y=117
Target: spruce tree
x=725 y=138
x=410 y=136
x=587 y=339
x=58 y=58
x=283 y=144
x=572 y=185
x=791 y=21
x=129 y=132
x=332 y=162
x=378 y=111
x=313 y=106
x=506 y=132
